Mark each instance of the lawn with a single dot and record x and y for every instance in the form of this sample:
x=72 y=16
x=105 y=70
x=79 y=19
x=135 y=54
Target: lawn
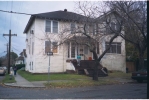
x=80 y=83
x=44 y=77
x=8 y=80
x=119 y=74
x=74 y=80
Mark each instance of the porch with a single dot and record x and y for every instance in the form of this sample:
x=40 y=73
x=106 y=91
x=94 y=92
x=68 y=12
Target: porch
x=87 y=67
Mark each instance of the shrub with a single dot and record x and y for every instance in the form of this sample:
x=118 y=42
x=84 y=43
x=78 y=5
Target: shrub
x=19 y=66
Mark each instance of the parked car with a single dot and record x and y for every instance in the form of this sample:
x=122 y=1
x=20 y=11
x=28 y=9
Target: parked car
x=5 y=68
x=140 y=75
x=2 y=71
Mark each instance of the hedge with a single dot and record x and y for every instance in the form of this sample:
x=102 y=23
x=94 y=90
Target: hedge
x=19 y=66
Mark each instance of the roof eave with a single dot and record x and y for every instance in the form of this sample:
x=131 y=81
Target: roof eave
x=29 y=24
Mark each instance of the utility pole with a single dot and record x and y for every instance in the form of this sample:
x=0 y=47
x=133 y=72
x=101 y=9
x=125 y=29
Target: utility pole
x=7 y=55
x=9 y=48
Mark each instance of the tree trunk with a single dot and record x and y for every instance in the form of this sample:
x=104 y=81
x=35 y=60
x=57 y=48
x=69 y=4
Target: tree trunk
x=95 y=74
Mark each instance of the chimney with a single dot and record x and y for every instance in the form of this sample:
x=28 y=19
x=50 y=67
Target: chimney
x=65 y=10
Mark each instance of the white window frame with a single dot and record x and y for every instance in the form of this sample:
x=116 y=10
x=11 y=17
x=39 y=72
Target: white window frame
x=52 y=47
x=116 y=44
x=75 y=27
x=70 y=51
x=32 y=48
x=57 y=47
x=52 y=26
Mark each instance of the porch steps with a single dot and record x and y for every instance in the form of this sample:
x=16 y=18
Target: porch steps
x=87 y=67
x=86 y=72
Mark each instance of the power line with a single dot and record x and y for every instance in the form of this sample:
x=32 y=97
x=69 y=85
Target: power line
x=14 y=12
x=5 y=39
x=16 y=49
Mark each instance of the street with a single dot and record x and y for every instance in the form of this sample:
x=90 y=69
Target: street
x=119 y=91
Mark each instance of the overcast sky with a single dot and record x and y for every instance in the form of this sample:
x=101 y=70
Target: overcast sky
x=17 y=22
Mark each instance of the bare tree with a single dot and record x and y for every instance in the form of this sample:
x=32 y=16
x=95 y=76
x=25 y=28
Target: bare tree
x=95 y=26
x=134 y=16
x=98 y=26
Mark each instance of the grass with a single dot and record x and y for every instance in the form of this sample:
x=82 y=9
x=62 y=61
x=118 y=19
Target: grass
x=80 y=83
x=118 y=74
x=74 y=80
x=44 y=77
x=8 y=80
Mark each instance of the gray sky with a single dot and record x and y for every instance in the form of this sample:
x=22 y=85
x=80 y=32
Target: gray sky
x=17 y=22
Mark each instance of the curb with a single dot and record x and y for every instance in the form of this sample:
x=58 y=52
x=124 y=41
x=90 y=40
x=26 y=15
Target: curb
x=22 y=86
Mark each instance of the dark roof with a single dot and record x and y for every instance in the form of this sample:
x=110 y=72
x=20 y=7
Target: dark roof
x=24 y=51
x=57 y=15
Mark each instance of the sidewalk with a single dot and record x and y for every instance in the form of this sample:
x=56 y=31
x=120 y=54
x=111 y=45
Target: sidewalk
x=21 y=82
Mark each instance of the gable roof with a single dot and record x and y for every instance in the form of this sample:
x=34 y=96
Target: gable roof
x=57 y=15
x=23 y=53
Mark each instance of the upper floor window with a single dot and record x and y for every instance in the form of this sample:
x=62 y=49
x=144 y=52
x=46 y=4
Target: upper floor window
x=55 y=27
x=90 y=28
x=112 y=27
x=115 y=47
x=51 y=26
x=73 y=27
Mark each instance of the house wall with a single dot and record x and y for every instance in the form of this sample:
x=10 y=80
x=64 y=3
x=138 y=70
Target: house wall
x=30 y=58
x=19 y=62
x=58 y=63
x=39 y=58
x=113 y=61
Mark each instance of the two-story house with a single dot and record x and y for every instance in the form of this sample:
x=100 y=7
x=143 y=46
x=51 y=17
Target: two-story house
x=50 y=31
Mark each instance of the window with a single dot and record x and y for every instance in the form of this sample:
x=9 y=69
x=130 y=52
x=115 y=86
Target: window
x=32 y=65
x=85 y=49
x=29 y=48
x=112 y=27
x=48 y=26
x=51 y=26
x=68 y=50
x=115 y=47
x=72 y=50
x=73 y=27
x=55 y=47
x=47 y=46
x=55 y=27
x=32 y=48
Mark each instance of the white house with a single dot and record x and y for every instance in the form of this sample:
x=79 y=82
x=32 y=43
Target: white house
x=22 y=58
x=46 y=31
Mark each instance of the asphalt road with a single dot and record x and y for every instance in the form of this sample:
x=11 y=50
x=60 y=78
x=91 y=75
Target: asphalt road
x=121 y=91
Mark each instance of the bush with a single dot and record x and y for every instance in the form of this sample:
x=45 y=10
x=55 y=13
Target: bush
x=19 y=66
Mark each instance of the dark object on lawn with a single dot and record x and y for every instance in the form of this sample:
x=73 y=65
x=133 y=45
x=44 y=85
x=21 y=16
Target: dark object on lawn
x=140 y=75
x=87 y=67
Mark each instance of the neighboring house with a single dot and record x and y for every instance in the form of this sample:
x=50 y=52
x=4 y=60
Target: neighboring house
x=22 y=58
x=43 y=33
